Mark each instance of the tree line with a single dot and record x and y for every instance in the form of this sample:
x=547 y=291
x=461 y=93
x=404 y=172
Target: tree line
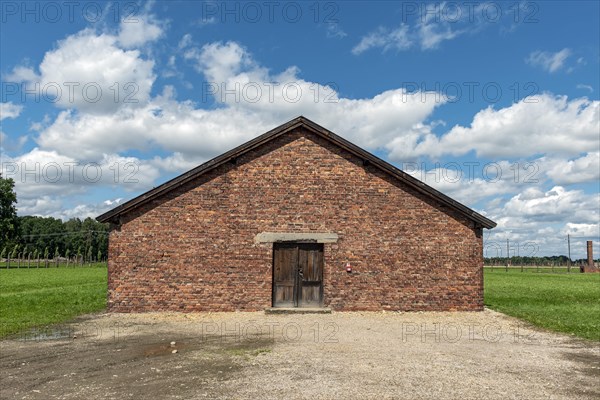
x=47 y=237
x=51 y=238
x=523 y=260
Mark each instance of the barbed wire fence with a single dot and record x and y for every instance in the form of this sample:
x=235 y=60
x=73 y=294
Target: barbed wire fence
x=53 y=259
x=508 y=255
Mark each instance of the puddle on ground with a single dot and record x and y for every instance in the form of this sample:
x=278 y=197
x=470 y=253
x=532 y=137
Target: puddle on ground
x=161 y=349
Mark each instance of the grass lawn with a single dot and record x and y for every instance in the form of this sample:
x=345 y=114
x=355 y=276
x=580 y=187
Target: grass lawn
x=568 y=303
x=36 y=297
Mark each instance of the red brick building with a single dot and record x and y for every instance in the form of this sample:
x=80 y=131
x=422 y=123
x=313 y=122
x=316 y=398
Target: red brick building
x=297 y=217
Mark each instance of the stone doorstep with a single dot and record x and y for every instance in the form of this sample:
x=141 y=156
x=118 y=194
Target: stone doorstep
x=297 y=310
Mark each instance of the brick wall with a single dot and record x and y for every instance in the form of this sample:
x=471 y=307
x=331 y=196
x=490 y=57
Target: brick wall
x=193 y=249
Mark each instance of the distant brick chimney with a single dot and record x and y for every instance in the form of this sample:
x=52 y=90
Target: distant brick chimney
x=590 y=267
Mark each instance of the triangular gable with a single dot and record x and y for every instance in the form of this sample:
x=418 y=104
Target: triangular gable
x=299 y=122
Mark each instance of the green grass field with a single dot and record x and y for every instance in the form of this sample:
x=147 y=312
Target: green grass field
x=561 y=302
x=37 y=297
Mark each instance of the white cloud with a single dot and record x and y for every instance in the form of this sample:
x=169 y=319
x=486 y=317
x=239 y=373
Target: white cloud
x=185 y=41
x=371 y=122
x=10 y=110
x=95 y=73
x=385 y=39
x=220 y=62
x=44 y=172
x=334 y=30
x=164 y=123
x=536 y=222
x=586 y=87
x=96 y=61
x=41 y=205
x=135 y=32
x=540 y=124
x=553 y=205
x=549 y=61
x=435 y=25
x=53 y=206
x=584 y=230
x=427 y=34
x=432 y=34
x=21 y=74
x=204 y=21
x=579 y=170
x=9 y=144
x=470 y=182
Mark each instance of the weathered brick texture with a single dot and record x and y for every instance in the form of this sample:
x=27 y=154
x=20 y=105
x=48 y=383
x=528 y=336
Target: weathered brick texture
x=193 y=248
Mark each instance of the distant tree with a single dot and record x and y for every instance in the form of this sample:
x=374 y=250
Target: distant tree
x=67 y=254
x=3 y=254
x=99 y=256
x=8 y=212
x=41 y=232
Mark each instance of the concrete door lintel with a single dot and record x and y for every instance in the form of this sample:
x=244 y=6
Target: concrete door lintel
x=273 y=237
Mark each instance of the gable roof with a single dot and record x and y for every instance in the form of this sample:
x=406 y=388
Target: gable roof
x=303 y=122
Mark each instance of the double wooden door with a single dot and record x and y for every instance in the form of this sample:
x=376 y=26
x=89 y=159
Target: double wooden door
x=297 y=275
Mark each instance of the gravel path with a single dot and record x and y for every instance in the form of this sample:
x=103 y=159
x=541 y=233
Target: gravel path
x=482 y=355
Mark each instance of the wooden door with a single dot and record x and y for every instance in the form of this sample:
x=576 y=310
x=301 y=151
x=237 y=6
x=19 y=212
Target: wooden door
x=297 y=275
x=285 y=267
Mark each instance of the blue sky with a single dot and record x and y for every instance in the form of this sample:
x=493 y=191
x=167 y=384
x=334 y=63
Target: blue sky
x=494 y=103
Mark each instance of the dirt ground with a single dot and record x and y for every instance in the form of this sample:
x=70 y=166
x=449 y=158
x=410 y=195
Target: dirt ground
x=384 y=355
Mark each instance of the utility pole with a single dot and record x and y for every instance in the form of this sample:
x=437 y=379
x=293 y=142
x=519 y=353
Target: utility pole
x=507 y=255
x=569 y=246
